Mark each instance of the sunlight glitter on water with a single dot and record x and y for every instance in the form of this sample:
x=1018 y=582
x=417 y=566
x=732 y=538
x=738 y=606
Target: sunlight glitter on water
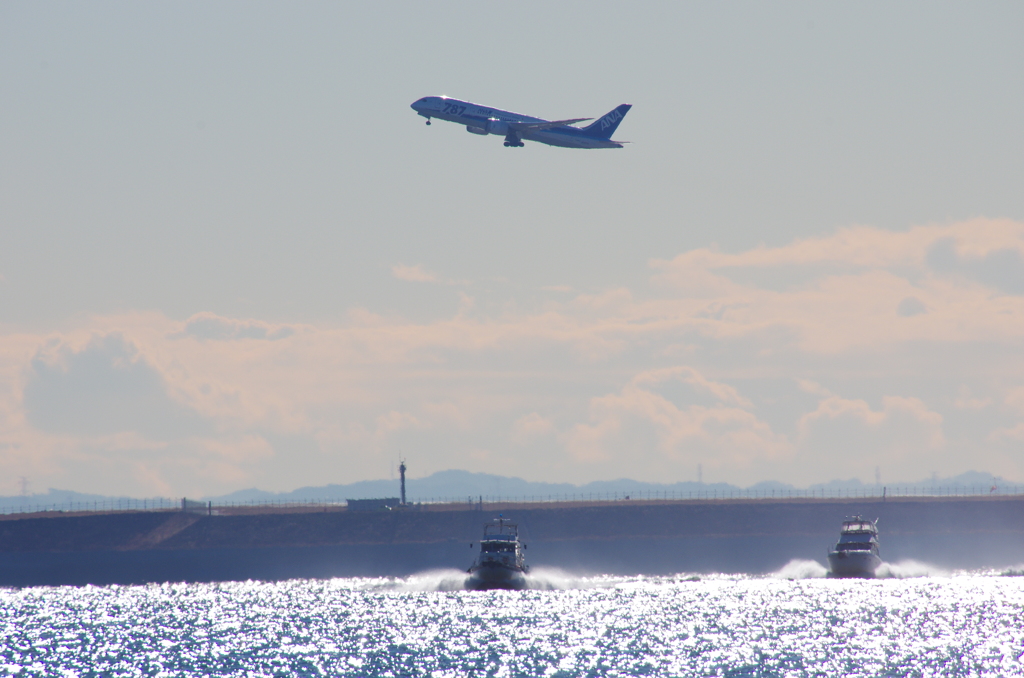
x=958 y=624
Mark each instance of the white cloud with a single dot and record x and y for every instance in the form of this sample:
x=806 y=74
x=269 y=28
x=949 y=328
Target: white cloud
x=722 y=392
x=1015 y=399
x=604 y=369
x=630 y=427
x=107 y=387
x=864 y=247
x=210 y=326
x=813 y=388
x=966 y=401
x=1008 y=434
x=528 y=428
x=848 y=435
x=396 y=421
x=861 y=288
x=413 y=273
x=928 y=424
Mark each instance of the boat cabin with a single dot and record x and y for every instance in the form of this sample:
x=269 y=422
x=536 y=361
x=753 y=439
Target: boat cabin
x=858 y=535
x=498 y=546
x=859 y=525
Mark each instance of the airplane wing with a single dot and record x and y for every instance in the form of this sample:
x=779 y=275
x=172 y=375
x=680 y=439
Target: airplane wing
x=529 y=126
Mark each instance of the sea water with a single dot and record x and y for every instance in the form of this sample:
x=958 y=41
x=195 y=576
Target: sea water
x=914 y=621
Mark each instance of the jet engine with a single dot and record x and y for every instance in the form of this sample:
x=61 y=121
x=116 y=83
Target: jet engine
x=476 y=130
x=495 y=126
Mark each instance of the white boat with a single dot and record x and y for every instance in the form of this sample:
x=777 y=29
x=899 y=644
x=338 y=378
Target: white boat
x=500 y=564
x=856 y=552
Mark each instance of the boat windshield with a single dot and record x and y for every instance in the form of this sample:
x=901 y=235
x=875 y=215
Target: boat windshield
x=497 y=547
x=854 y=546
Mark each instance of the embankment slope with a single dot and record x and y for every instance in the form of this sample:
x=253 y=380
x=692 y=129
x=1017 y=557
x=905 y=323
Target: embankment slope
x=613 y=537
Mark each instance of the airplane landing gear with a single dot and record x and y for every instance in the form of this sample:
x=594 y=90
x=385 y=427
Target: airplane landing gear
x=513 y=141
x=428 y=121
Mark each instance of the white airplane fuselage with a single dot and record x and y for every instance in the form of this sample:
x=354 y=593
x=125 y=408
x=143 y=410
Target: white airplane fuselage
x=516 y=127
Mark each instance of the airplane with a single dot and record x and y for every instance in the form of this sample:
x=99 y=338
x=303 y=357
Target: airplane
x=516 y=127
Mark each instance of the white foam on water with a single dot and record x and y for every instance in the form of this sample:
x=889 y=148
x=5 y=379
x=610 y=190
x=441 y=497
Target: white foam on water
x=906 y=569
x=538 y=579
x=801 y=569
x=555 y=579
x=433 y=580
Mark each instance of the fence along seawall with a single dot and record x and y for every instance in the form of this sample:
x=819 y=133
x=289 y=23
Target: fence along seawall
x=13 y=506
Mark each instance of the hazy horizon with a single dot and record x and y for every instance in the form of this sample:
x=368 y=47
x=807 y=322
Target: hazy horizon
x=232 y=256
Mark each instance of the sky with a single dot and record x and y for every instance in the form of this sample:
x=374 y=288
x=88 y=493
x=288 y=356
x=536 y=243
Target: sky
x=232 y=256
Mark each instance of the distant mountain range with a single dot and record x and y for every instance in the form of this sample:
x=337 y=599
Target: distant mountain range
x=465 y=486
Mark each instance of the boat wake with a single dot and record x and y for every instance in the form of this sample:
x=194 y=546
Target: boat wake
x=555 y=579
x=434 y=580
x=907 y=569
x=904 y=569
x=539 y=579
x=801 y=569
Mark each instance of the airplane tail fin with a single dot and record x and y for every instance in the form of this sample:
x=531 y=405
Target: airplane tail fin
x=605 y=126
